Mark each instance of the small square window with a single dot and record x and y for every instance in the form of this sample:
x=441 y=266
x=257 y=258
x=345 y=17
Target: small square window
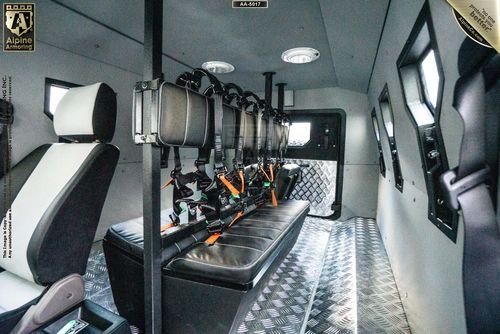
x=430 y=77
x=299 y=134
x=54 y=92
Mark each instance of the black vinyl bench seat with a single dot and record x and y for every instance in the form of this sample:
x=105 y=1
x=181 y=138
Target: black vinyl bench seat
x=237 y=256
x=232 y=271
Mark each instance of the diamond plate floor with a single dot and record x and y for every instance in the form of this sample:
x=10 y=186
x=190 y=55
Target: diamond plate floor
x=282 y=306
x=356 y=291
x=337 y=279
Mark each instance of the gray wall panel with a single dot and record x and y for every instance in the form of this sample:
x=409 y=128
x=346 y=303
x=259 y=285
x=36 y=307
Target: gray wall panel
x=427 y=266
x=359 y=194
x=32 y=127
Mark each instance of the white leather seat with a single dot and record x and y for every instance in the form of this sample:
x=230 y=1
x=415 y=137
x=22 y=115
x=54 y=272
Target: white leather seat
x=56 y=198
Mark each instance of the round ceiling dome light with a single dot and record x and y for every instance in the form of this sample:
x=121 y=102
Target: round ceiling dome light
x=217 y=67
x=300 y=55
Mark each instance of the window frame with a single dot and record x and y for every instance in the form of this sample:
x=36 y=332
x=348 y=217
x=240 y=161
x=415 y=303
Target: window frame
x=385 y=97
x=430 y=142
x=49 y=82
x=378 y=138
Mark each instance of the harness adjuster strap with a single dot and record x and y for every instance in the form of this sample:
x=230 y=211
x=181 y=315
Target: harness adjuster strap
x=453 y=188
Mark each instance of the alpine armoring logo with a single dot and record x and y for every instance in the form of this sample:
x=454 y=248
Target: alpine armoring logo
x=19 y=27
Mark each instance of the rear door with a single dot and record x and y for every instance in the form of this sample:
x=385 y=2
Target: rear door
x=316 y=144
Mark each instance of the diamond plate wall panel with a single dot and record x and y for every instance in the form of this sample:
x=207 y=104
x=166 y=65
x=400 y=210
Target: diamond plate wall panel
x=282 y=305
x=318 y=185
x=97 y=286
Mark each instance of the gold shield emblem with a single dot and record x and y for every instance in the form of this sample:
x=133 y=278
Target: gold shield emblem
x=19 y=19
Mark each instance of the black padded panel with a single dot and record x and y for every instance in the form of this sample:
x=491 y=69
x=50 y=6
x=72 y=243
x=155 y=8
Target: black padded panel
x=238 y=256
x=128 y=236
x=186 y=117
x=286 y=180
x=264 y=133
x=491 y=72
x=250 y=131
x=61 y=242
x=472 y=56
x=276 y=137
x=18 y=175
x=229 y=121
x=104 y=116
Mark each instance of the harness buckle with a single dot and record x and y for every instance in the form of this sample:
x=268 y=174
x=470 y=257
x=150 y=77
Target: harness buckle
x=453 y=188
x=215 y=227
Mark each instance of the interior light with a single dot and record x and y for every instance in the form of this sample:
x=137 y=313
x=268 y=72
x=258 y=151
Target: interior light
x=217 y=67
x=300 y=55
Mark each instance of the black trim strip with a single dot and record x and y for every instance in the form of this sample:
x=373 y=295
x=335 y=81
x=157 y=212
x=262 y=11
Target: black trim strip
x=378 y=46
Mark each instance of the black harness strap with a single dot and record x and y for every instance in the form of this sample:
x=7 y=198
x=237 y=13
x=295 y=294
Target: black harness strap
x=218 y=145
x=466 y=190
x=202 y=178
x=258 y=148
x=238 y=159
x=181 y=190
x=270 y=134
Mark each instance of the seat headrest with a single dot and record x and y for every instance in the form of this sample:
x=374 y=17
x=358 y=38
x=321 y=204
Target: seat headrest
x=87 y=114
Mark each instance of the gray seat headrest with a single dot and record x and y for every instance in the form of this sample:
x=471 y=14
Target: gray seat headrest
x=87 y=114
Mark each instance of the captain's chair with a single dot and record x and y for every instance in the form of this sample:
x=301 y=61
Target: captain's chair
x=55 y=196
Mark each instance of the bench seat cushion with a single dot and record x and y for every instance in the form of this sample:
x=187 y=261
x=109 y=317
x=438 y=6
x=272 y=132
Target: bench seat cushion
x=244 y=251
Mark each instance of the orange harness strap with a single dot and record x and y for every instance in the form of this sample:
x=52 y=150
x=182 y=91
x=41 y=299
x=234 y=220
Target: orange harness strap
x=265 y=174
x=166 y=227
x=273 y=198
x=242 y=177
x=271 y=179
x=167 y=183
x=271 y=171
x=212 y=239
x=238 y=216
x=228 y=185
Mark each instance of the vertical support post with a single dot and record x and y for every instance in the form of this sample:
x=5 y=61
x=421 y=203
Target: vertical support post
x=281 y=96
x=269 y=108
x=269 y=88
x=151 y=157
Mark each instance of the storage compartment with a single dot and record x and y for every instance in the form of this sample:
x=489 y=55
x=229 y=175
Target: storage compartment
x=93 y=318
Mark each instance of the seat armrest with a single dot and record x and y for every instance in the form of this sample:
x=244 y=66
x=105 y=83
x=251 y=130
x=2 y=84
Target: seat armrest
x=61 y=296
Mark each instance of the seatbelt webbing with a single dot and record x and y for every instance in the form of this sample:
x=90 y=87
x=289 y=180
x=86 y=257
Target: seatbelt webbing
x=481 y=254
x=177 y=210
x=238 y=159
x=218 y=145
x=270 y=133
x=259 y=135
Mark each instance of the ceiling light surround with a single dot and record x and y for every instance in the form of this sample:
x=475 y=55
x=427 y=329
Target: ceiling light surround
x=217 y=67
x=301 y=55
